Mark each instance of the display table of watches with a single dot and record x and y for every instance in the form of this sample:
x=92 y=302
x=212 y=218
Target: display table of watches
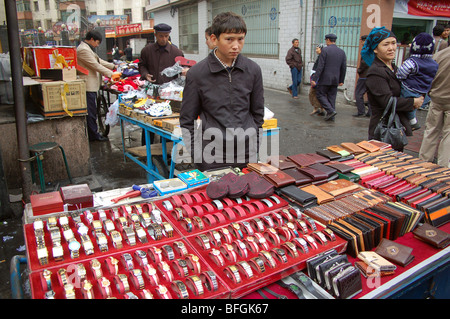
x=185 y=246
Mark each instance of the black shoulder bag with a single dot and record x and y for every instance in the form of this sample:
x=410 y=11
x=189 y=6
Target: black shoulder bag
x=389 y=129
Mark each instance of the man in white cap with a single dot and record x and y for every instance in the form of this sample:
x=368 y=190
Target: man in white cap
x=155 y=57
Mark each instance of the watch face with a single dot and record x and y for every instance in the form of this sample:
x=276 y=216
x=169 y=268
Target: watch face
x=74 y=245
x=162 y=289
x=182 y=262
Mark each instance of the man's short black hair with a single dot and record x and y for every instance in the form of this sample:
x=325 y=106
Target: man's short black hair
x=94 y=35
x=293 y=40
x=438 y=30
x=228 y=22
x=208 y=30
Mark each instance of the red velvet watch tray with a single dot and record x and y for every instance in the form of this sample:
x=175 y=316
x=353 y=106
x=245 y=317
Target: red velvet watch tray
x=33 y=262
x=39 y=286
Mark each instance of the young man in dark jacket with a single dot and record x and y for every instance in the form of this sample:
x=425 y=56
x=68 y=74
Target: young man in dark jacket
x=295 y=62
x=226 y=91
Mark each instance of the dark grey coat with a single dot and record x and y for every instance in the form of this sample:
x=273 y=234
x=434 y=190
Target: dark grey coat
x=332 y=66
x=223 y=99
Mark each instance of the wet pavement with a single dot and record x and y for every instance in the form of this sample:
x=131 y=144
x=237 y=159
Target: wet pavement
x=300 y=132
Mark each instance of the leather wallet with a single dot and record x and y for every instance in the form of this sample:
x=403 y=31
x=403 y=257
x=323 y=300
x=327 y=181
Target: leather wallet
x=322 y=196
x=262 y=168
x=339 y=187
x=332 y=156
x=394 y=252
x=352 y=148
x=340 y=167
x=282 y=162
x=368 y=271
x=324 y=168
x=279 y=179
x=300 y=178
x=315 y=174
x=376 y=262
x=298 y=195
x=339 y=150
x=312 y=262
x=302 y=159
x=347 y=283
x=369 y=147
x=432 y=235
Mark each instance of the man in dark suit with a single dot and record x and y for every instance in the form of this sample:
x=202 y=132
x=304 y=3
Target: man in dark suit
x=330 y=73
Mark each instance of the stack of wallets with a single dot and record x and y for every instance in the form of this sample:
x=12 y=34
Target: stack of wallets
x=373 y=265
x=193 y=178
x=365 y=229
x=335 y=273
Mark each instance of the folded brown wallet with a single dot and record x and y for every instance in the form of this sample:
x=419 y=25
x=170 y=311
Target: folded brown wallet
x=341 y=167
x=352 y=148
x=262 y=168
x=329 y=154
x=394 y=252
x=279 y=179
x=300 y=178
x=324 y=168
x=322 y=196
x=432 y=235
x=302 y=159
x=368 y=271
x=369 y=147
x=315 y=174
x=281 y=161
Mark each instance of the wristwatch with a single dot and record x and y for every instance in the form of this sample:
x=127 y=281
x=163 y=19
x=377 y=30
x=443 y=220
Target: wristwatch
x=141 y=235
x=203 y=241
x=216 y=256
x=177 y=213
x=168 y=252
x=155 y=214
x=262 y=241
x=112 y=265
x=146 y=294
x=42 y=255
x=280 y=253
x=284 y=233
x=258 y=225
x=165 y=270
x=81 y=272
x=209 y=279
x=180 y=289
x=236 y=229
x=198 y=222
x=134 y=219
x=163 y=292
x=225 y=235
x=291 y=249
x=47 y=274
x=155 y=231
x=193 y=263
x=250 y=241
x=155 y=254
x=272 y=235
x=96 y=267
x=246 y=269
x=286 y=215
x=57 y=252
x=329 y=234
x=151 y=274
x=214 y=238
x=49 y=294
x=228 y=252
x=258 y=264
x=122 y=284
x=127 y=261
x=268 y=221
x=320 y=237
x=62 y=275
x=69 y=291
x=167 y=205
x=310 y=222
x=145 y=219
x=167 y=229
x=82 y=229
x=195 y=284
x=115 y=213
x=87 y=244
x=51 y=222
x=102 y=242
x=265 y=255
x=121 y=222
x=292 y=229
x=137 y=279
x=141 y=256
x=130 y=295
x=302 y=244
x=232 y=272
x=101 y=214
x=97 y=225
x=74 y=247
x=129 y=235
x=180 y=248
x=109 y=226
x=248 y=228
x=278 y=219
x=86 y=290
x=181 y=267
x=240 y=247
x=116 y=238
x=105 y=287
x=311 y=241
x=186 y=222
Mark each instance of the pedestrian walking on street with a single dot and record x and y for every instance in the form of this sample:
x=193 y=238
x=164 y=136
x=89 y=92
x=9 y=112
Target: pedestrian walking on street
x=361 y=88
x=418 y=71
x=295 y=62
x=382 y=84
x=330 y=74
x=437 y=124
x=318 y=109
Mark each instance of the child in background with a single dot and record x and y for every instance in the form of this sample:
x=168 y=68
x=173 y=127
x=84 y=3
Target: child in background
x=418 y=71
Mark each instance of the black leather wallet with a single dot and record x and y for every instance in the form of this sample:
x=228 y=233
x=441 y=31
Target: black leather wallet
x=298 y=195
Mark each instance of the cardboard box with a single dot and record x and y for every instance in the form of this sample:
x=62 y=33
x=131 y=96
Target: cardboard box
x=170 y=124
x=270 y=123
x=52 y=100
x=59 y=74
x=37 y=58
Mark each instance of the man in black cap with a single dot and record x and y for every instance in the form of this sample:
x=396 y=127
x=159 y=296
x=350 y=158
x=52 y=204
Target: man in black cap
x=155 y=57
x=330 y=73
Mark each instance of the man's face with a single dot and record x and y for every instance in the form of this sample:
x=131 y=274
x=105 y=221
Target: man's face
x=208 y=41
x=93 y=43
x=162 y=38
x=446 y=33
x=229 y=45
x=296 y=43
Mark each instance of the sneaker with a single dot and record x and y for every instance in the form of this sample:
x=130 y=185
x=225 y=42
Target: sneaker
x=415 y=127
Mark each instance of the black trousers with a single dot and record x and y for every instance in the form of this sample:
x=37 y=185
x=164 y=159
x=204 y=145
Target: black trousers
x=326 y=94
x=360 y=90
x=91 y=101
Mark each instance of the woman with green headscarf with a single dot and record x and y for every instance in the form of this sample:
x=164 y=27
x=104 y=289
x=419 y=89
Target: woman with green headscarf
x=379 y=53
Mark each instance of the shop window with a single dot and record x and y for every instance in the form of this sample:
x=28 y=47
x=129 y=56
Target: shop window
x=188 y=28
x=262 y=20
x=343 y=18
